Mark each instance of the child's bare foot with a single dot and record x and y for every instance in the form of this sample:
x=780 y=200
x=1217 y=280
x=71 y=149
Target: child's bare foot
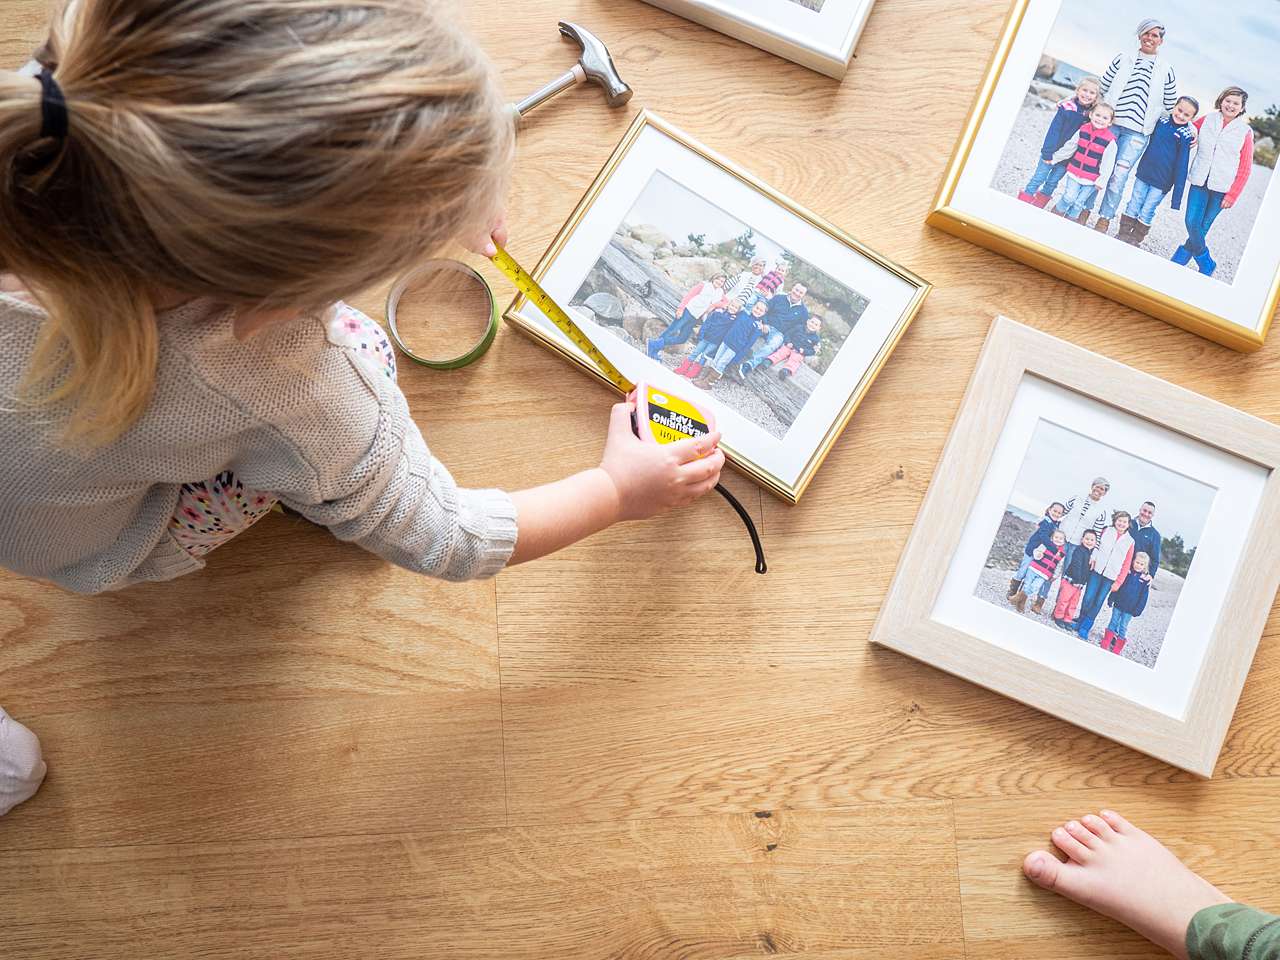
x=1126 y=874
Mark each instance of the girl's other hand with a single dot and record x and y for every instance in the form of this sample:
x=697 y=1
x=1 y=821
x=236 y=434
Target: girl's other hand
x=653 y=478
x=1228 y=203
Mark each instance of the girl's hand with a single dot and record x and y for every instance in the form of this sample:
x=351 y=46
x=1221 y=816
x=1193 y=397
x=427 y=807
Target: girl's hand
x=487 y=245
x=652 y=478
x=1228 y=203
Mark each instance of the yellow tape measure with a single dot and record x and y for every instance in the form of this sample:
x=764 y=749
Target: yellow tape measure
x=556 y=314
x=658 y=416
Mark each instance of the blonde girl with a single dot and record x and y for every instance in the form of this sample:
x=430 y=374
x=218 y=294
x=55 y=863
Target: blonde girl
x=189 y=191
x=1071 y=114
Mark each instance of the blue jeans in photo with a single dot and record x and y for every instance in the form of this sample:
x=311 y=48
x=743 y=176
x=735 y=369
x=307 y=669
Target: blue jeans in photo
x=1046 y=178
x=1129 y=147
x=1076 y=198
x=1070 y=549
x=703 y=351
x=1203 y=207
x=1037 y=582
x=676 y=334
x=725 y=357
x=1119 y=622
x=772 y=341
x=1145 y=201
x=1095 y=595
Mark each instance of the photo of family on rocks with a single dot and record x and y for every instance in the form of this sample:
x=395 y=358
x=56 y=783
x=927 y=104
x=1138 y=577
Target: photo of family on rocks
x=720 y=304
x=1096 y=543
x=1154 y=123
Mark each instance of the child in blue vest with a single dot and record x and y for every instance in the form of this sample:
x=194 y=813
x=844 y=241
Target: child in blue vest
x=1075 y=577
x=712 y=334
x=1071 y=115
x=736 y=344
x=1043 y=532
x=1163 y=168
x=1127 y=601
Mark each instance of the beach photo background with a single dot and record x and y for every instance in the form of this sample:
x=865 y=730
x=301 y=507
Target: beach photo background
x=1060 y=464
x=672 y=239
x=1211 y=47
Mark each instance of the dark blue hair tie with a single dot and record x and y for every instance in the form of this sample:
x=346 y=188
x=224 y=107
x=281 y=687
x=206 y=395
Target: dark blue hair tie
x=53 y=107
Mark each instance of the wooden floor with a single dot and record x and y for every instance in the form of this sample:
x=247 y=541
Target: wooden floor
x=305 y=752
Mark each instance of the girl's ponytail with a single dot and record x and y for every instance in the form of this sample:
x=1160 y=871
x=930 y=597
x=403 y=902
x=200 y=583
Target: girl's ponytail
x=266 y=153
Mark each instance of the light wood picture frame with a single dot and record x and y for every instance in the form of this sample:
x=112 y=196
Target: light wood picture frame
x=932 y=605
x=994 y=160
x=863 y=301
x=820 y=35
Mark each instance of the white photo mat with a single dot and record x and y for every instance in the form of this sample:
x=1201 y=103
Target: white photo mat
x=1239 y=484
x=1240 y=303
x=890 y=296
x=823 y=40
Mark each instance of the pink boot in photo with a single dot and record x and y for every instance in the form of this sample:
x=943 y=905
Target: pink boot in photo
x=683 y=369
x=692 y=371
x=1118 y=645
x=1027 y=197
x=1042 y=200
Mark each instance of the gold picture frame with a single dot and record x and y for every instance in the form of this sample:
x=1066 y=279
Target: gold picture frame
x=945 y=216
x=789 y=490
x=915 y=619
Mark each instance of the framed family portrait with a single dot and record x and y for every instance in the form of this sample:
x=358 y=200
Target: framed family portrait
x=1129 y=147
x=1096 y=543
x=692 y=275
x=818 y=34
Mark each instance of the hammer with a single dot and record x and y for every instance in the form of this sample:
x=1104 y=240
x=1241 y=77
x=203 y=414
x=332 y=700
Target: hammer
x=595 y=65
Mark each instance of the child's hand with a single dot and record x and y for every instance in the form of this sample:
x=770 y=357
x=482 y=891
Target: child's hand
x=1228 y=203
x=653 y=478
x=487 y=245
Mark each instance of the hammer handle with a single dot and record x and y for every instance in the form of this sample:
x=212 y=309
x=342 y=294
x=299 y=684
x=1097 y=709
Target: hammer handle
x=559 y=85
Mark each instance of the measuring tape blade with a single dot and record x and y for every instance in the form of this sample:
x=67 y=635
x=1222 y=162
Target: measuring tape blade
x=553 y=312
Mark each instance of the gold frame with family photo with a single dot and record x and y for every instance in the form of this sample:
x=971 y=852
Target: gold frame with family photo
x=1244 y=332
x=876 y=338
x=918 y=620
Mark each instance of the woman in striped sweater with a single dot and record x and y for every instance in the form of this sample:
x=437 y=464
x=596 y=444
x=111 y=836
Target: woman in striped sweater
x=1219 y=174
x=1143 y=87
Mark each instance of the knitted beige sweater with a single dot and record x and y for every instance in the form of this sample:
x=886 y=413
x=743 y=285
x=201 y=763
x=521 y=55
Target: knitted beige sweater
x=290 y=411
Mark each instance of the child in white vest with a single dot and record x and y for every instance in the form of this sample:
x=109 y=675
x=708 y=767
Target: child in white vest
x=1219 y=174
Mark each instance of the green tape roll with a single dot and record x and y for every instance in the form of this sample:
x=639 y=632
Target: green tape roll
x=403 y=284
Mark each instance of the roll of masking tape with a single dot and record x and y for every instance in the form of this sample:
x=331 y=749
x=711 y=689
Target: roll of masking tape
x=420 y=276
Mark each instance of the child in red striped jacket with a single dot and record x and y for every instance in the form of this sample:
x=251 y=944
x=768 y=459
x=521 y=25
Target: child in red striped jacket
x=1091 y=152
x=1044 y=563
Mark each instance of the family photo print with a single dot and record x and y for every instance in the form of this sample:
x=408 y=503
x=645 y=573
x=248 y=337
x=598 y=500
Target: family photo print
x=1130 y=146
x=1096 y=542
x=1145 y=134
x=723 y=306
x=693 y=276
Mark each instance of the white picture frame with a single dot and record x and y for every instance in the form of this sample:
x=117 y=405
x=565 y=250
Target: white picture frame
x=822 y=40
x=1180 y=710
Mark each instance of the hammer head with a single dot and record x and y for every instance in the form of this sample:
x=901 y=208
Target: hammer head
x=597 y=64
